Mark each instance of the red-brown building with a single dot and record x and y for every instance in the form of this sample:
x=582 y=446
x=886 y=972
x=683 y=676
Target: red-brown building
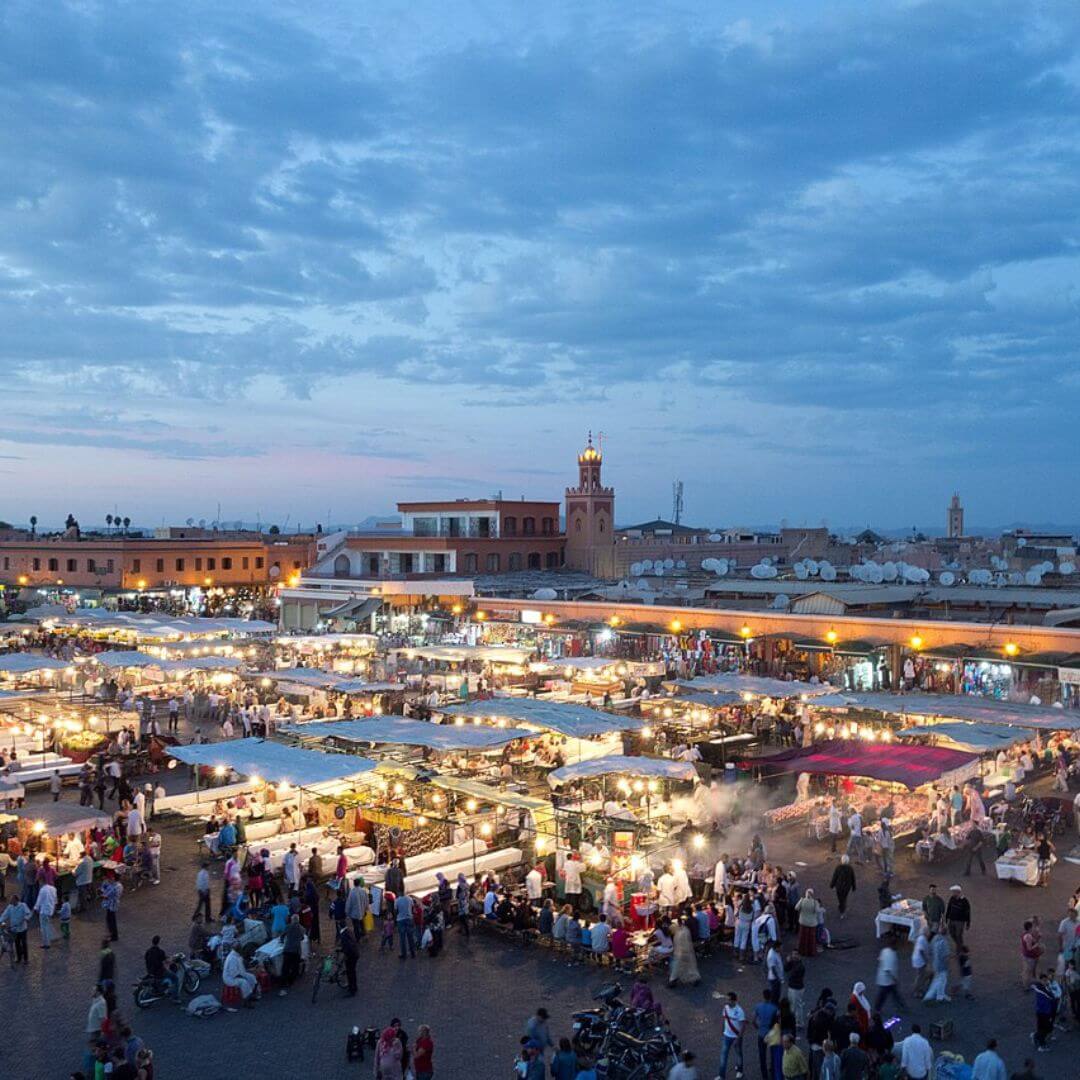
x=120 y=563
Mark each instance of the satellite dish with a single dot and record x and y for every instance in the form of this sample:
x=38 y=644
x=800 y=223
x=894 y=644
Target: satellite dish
x=1046 y=567
x=1016 y=577
x=658 y=570
x=545 y=594
x=762 y=571
x=1067 y=568
x=722 y=566
x=800 y=571
x=635 y=569
x=646 y=564
x=828 y=573
x=889 y=571
x=715 y=538
x=708 y=564
x=1021 y=541
x=947 y=578
x=781 y=600
x=812 y=566
x=641 y=584
x=669 y=564
x=681 y=564
x=1033 y=577
x=875 y=574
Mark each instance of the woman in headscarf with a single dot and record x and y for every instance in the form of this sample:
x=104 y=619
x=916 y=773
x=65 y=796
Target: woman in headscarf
x=461 y=899
x=862 y=1007
x=807 y=912
x=684 y=967
x=388 y=1056
x=444 y=892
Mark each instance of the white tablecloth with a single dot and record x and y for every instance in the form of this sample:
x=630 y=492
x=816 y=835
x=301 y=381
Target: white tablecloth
x=1020 y=866
x=910 y=917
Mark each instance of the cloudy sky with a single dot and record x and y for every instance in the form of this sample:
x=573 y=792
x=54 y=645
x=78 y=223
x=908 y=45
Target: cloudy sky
x=817 y=260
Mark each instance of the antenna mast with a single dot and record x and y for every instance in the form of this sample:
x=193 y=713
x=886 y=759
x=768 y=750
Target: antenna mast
x=677 y=501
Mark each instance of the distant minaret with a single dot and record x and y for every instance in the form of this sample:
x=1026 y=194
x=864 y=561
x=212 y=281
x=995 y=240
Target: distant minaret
x=955 y=518
x=590 y=518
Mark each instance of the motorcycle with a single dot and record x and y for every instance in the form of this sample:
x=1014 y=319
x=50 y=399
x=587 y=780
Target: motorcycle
x=190 y=973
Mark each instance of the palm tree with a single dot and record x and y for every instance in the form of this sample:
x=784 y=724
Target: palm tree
x=109 y=521
x=127 y=523
x=33 y=524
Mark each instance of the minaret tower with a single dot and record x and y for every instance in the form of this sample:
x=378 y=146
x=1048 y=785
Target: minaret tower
x=590 y=518
x=955 y=518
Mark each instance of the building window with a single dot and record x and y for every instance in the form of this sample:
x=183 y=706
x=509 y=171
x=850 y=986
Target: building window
x=471 y=562
x=7 y=563
x=373 y=564
x=438 y=563
x=54 y=564
x=547 y=526
x=226 y=563
x=528 y=526
x=515 y=560
x=296 y=564
x=577 y=524
x=211 y=564
x=510 y=526
x=534 y=560
x=90 y=566
x=493 y=563
x=136 y=565
x=342 y=566
x=258 y=562
x=198 y=564
x=180 y=565
x=161 y=566
x=553 y=560
x=244 y=563
x=71 y=566
x=37 y=564
x=600 y=525
x=109 y=566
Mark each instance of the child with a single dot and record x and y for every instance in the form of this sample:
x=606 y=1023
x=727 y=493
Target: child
x=65 y=919
x=963 y=957
x=387 y=931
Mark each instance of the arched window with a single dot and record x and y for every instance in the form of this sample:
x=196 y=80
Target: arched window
x=493 y=562
x=528 y=526
x=552 y=560
x=471 y=562
x=510 y=526
x=547 y=526
x=577 y=524
x=601 y=525
x=515 y=560
x=342 y=566
x=534 y=560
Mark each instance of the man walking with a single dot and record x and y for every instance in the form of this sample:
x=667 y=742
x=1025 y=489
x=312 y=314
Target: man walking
x=16 y=918
x=939 y=960
x=733 y=1023
x=843 y=883
x=351 y=953
x=917 y=1056
x=988 y=1065
x=765 y=1014
x=111 y=891
x=957 y=914
x=356 y=906
x=855 y=840
x=933 y=908
x=920 y=963
x=202 y=891
x=974 y=848
x=403 y=916
x=888 y=977
x=45 y=906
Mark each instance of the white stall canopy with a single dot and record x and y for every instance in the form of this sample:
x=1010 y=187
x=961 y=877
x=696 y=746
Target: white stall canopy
x=753 y=684
x=662 y=768
x=978 y=710
x=575 y=721
x=397 y=730
x=28 y=663
x=274 y=761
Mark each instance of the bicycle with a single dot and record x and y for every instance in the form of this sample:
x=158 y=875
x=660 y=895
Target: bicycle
x=331 y=969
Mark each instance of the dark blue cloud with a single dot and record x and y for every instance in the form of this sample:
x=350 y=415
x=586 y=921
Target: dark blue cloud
x=854 y=211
